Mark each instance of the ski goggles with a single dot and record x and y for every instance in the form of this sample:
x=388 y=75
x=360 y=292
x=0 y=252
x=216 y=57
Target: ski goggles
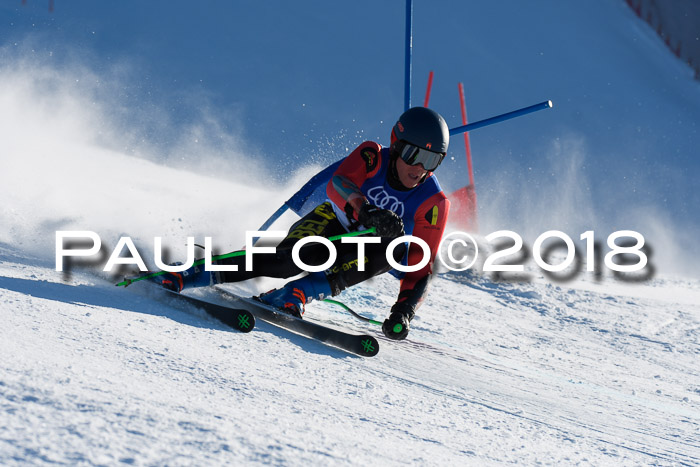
x=413 y=155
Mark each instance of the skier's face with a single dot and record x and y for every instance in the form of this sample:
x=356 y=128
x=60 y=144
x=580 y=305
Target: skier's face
x=409 y=175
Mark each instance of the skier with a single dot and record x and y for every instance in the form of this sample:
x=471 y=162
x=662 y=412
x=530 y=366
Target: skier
x=392 y=189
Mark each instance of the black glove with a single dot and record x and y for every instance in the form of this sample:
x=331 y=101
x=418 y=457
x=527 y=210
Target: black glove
x=387 y=223
x=396 y=326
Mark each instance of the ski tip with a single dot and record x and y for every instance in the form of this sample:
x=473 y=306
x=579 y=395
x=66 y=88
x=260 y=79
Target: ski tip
x=245 y=322
x=369 y=346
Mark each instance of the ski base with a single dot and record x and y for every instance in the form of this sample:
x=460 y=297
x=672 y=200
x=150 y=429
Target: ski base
x=363 y=345
x=240 y=319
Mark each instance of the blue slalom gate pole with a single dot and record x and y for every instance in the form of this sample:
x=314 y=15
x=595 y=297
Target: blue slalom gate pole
x=409 y=51
x=500 y=118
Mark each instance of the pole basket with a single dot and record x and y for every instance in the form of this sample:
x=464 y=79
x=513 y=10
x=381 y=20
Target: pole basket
x=463 y=209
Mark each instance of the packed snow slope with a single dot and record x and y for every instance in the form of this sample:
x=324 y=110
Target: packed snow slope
x=599 y=373
x=591 y=371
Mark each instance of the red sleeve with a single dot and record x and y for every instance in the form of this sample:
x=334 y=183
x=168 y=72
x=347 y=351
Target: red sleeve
x=344 y=187
x=430 y=221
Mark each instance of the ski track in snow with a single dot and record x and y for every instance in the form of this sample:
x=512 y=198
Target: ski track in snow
x=582 y=373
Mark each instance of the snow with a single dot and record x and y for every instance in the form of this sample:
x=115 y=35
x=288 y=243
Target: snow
x=522 y=373
x=592 y=371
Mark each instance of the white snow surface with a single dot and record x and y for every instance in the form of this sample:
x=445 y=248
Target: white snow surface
x=599 y=373
x=587 y=372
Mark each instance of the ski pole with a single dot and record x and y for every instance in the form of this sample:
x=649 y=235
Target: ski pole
x=128 y=281
x=352 y=312
x=501 y=118
x=297 y=201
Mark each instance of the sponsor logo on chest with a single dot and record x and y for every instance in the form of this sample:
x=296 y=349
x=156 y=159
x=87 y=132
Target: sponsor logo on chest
x=384 y=200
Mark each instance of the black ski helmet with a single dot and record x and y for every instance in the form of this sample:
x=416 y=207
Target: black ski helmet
x=421 y=127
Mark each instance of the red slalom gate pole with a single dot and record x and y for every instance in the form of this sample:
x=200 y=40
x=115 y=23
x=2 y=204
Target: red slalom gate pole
x=463 y=104
x=465 y=198
x=427 y=91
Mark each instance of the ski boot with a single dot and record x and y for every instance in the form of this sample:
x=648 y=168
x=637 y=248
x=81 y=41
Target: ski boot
x=195 y=276
x=296 y=294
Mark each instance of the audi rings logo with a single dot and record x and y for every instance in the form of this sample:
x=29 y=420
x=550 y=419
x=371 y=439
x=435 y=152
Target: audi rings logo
x=384 y=200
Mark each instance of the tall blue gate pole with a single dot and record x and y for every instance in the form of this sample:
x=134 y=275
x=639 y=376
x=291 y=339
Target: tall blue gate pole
x=409 y=52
